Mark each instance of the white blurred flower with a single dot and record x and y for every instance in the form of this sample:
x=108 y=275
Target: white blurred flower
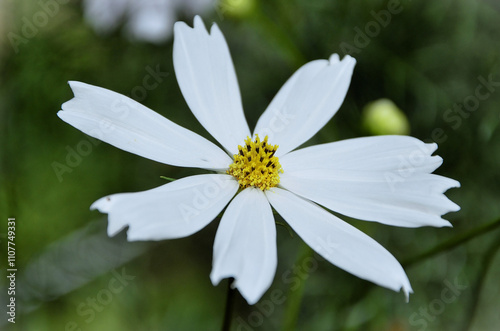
x=147 y=20
x=386 y=179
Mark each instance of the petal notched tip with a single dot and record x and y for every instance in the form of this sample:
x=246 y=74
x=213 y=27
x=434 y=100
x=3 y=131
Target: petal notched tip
x=437 y=162
x=251 y=296
x=347 y=61
x=335 y=58
x=60 y=114
x=447 y=224
x=198 y=23
x=215 y=31
x=75 y=87
x=178 y=26
x=455 y=183
x=431 y=147
x=407 y=291
x=103 y=204
x=75 y=83
x=452 y=206
x=198 y=26
x=216 y=277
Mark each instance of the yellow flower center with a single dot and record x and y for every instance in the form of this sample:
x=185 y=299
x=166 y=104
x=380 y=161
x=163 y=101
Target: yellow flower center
x=255 y=164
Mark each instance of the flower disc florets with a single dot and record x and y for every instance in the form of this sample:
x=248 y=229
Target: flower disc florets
x=255 y=164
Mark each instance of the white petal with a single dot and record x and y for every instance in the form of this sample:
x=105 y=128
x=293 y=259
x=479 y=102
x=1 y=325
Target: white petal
x=384 y=179
x=207 y=79
x=126 y=124
x=306 y=102
x=174 y=210
x=338 y=242
x=245 y=245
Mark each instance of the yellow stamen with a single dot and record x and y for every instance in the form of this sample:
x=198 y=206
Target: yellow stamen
x=255 y=164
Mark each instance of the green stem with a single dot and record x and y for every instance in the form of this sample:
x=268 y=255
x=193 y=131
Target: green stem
x=362 y=290
x=228 y=313
x=168 y=178
x=452 y=243
x=292 y=309
x=278 y=37
x=488 y=259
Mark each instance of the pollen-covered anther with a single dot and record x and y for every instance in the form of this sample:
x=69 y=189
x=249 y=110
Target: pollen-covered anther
x=255 y=164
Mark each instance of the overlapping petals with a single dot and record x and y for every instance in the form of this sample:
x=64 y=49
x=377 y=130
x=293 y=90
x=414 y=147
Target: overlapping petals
x=384 y=179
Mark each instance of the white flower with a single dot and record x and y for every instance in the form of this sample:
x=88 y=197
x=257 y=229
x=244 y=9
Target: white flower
x=386 y=179
x=147 y=20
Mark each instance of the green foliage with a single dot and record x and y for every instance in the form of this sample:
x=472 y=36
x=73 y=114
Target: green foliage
x=429 y=57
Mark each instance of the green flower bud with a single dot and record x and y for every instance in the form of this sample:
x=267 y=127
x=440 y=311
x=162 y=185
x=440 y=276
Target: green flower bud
x=237 y=8
x=383 y=117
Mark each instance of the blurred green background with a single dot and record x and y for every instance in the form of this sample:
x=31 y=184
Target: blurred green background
x=429 y=60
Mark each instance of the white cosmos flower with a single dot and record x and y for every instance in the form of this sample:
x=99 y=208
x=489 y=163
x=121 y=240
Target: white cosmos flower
x=385 y=179
x=147 y=20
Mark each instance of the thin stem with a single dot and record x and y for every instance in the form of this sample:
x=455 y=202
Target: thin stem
x=228 y=313
x=452 y=243
x=295 y=295
x=488 y=259
x=364 y=289
x=278 y=37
